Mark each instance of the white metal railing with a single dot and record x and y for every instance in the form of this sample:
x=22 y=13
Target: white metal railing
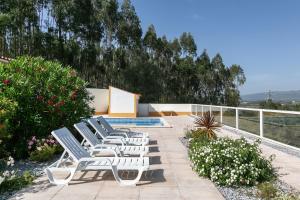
x=199 y=109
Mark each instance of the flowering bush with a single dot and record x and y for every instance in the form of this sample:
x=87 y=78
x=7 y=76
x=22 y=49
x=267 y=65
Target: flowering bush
x=5 y=173
x=231 y=162
x=43 y=149
x=48 y=96
x=7 y=111
x=9 y=178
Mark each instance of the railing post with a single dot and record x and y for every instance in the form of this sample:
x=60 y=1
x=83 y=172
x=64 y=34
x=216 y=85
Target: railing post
x=196 y=109
x=261 y=123
x=237 y=118
x=210 y=110
x=221 y=115
x=202 y=111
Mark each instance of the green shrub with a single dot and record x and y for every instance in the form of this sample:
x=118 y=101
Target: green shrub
x=9 y=178
x=201 y=136
x=48 y=96
x=7 y=111
x=208 y=123
x=267 y=191
x=231 y=162
x=16 y=182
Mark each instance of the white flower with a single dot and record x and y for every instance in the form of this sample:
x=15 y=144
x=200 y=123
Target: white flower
x=6 y=173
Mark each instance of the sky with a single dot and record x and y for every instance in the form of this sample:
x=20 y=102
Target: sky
x=263 y=36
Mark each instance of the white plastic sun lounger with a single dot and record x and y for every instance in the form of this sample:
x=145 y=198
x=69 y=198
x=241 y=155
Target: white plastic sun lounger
x=97 y=146
x=116 y=139
x=83 y=161
x=126 y=131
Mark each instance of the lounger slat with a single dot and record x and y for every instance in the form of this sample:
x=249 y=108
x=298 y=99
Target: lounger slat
x=111 y=130
x=69 y=142
x=106 y=125
x=87 y=133
x=100 y=130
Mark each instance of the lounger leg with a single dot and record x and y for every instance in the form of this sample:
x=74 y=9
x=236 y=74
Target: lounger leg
x=55 y=181
x=127 y=182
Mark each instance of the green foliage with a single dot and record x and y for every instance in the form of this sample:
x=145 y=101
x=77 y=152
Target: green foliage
x=16 y=182
x=7 y=111
x=269 y=104
x=45 y=154
x=208 y=123
x=231 y=162
x=199 y=136
x=48 y=96
x=269 y=191
x=107 y=47
x=266 y=191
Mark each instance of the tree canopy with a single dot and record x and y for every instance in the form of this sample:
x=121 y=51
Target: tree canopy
x=103 y=40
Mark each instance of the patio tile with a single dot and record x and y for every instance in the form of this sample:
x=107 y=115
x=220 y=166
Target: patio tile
x=108 y=192
x=159 y=193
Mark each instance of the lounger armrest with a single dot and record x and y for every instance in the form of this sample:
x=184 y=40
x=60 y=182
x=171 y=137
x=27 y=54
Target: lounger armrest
x=114 y=137
x=94 y=159
x=123 y=129
x=119 y=133
x=118 y=140
x=105 y=149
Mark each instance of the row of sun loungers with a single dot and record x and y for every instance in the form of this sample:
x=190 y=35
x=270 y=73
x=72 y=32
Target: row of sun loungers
x=124 y=151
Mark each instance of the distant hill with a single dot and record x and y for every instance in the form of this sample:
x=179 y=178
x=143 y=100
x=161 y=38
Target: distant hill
x=278 y=96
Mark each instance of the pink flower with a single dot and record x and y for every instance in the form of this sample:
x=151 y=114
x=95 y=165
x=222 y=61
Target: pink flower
x=30 y=143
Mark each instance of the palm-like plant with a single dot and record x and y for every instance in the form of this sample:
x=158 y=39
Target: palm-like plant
x=208 y=123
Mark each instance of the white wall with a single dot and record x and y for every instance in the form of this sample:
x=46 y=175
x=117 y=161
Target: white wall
x=121 y=101
x=100 y=102
x=143 y=110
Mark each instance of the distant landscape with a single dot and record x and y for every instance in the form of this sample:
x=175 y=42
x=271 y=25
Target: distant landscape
x=276 y=96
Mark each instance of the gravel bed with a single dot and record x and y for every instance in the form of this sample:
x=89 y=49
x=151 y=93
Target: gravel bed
x=246 y=193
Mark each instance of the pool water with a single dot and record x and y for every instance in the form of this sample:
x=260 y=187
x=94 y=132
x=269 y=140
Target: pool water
x=137 y=122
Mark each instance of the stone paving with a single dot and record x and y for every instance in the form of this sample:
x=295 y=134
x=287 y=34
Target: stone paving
x=170 y=175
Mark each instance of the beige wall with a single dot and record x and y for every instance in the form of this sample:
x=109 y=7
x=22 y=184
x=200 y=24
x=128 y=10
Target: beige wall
x=164 y=109
x=100 y=102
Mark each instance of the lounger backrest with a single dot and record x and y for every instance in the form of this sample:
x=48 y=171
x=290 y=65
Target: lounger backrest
x=87 y=134
x=106 y=125
x=70 y=144
x=100 y=130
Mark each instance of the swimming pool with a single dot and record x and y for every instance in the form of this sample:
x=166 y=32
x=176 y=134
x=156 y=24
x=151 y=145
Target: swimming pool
x=138 y=122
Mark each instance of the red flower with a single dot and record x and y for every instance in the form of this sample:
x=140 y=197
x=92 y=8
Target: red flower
x=61 y=103
x=74 y=95
x=6 y=82
x=50 y=103
x=53 y=97
x=40 y=98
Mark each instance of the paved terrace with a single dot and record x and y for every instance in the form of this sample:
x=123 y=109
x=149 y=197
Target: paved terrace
x=170 y=175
